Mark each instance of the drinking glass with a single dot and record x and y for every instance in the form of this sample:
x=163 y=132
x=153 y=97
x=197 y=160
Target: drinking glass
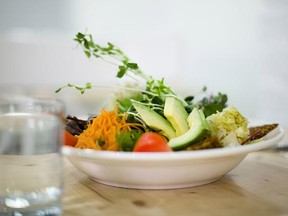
x=31 y=165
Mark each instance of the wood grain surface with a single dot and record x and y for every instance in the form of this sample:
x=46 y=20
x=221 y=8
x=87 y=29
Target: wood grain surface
x=258 y=186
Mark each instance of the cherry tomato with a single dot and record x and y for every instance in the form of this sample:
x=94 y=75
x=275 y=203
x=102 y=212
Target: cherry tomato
x=151 y=142
x=69 y=139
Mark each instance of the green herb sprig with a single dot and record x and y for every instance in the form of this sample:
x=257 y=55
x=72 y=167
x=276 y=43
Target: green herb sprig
x=156 y=91
x=110 y=54
x=126 y=67
x=82 y=89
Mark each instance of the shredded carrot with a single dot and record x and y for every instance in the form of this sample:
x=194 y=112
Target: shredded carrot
x=102 y=133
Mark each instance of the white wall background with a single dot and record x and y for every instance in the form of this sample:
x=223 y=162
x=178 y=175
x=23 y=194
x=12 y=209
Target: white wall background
x=239 y=47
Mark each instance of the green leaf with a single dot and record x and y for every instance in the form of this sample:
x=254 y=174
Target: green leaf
x=90 y=37
x=91 y=44
x=80 y=35
x=119 y=52
x=132 y=66
x=88 y=85
x=86 y=43
x=58 y=90
x=110 y=53
x=210 y=109
x=87 y=53
x=189 y=98
x=122 y=71
x=128 y=140
x=78 y=40
x=110 y=46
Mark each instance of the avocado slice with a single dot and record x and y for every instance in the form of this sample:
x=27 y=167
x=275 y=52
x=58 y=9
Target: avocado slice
x=199 y=129
x=155 y=121
x=176 y=114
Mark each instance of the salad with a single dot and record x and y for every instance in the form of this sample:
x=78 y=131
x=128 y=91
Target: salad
x=150 y=116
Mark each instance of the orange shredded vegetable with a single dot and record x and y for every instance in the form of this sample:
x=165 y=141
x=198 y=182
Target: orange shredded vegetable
x=102 y=133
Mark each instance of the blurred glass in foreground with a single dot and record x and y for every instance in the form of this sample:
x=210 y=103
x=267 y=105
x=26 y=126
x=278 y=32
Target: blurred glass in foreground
x=30 y=157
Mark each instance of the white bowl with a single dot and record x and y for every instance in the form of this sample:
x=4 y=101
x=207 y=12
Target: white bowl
x=163 y=170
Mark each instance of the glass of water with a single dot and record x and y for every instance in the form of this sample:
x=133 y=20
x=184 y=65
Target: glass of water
x=31 y=165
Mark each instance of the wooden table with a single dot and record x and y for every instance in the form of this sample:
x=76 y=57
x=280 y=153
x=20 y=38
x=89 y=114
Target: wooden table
x=258 y=186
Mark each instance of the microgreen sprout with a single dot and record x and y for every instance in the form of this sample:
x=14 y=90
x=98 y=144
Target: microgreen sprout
x=154 y=92
x=126 y=67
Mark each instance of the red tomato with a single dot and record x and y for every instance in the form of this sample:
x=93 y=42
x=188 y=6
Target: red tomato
x=69 y=139
x=151 y=142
